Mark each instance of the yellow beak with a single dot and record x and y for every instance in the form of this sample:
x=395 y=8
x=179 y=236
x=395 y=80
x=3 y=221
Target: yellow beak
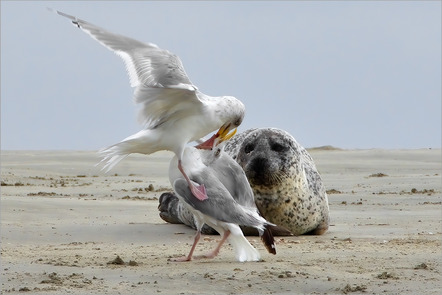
x=222 y=135
x=225 y=135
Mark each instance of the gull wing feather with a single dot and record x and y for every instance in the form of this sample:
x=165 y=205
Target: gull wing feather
x=233 y=177
x=220 y=205
x=152 y=70
x=159 y=105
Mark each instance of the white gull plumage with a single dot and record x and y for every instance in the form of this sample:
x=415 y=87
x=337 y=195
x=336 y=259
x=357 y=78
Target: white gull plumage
x=230 y=201
x=173 y=111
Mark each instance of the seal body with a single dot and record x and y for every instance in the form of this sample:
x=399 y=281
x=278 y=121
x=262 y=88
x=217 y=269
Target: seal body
x=287 y=187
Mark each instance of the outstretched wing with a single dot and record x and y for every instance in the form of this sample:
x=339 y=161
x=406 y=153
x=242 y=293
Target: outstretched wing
x=152 y=70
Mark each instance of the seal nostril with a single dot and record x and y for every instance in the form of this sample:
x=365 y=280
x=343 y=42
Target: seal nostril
x=260 y=164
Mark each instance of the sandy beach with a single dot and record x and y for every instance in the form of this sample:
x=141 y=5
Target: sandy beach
x=69 y=228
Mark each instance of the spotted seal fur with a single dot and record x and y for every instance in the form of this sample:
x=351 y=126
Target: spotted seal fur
x=288 y=189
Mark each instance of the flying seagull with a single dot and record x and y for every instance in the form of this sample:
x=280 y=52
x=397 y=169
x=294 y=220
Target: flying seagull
x=173 y=111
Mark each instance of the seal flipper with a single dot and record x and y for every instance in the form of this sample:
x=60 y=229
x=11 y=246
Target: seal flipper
x=168 y=204
x=173 y=211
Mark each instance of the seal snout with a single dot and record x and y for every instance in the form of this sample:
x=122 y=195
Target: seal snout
x=259 y=171
x=259 y=164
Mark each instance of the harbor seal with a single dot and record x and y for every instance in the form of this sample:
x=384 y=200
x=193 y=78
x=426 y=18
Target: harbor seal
x=288 y=189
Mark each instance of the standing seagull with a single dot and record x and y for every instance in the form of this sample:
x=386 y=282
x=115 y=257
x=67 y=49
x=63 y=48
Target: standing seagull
x=221 y=210
x=173 y=111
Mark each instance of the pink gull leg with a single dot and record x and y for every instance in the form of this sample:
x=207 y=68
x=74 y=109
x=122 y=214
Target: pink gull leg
x=216 y=250
x=198 y=191
x=189 y=256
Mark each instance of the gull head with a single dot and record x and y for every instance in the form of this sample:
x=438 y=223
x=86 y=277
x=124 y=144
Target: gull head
x=232 y=114
x=234 y=111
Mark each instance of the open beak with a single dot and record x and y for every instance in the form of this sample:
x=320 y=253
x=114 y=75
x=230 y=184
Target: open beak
x=226 y=135
x=222 y=135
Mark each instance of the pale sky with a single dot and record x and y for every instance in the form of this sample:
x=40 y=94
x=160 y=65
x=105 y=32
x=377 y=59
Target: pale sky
x=349 y=74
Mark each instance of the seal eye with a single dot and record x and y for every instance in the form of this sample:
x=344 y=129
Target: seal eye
x=277 y=147
x=248 y=148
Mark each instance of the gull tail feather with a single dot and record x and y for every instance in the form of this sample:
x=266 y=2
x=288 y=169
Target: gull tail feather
x=268 y=240
x=112 y=156
x=244 y=251
x=140 y=142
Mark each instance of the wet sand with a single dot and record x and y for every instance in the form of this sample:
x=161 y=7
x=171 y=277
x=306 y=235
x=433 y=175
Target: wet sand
x=64 y=223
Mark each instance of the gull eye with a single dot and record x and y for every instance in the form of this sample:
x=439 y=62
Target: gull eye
x=218 y=151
